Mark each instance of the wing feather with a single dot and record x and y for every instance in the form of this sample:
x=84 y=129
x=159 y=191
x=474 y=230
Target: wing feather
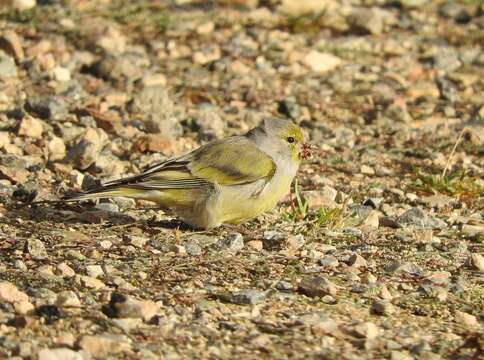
x=232 y=161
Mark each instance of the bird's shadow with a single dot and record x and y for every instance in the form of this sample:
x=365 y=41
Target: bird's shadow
x=75 y=213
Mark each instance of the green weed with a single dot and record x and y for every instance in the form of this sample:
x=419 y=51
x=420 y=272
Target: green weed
x=457 y=183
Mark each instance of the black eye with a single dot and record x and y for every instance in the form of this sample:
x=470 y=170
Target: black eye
x=290 y=139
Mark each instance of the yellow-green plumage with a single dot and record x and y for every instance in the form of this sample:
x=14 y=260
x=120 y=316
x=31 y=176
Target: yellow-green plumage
x=226 y=181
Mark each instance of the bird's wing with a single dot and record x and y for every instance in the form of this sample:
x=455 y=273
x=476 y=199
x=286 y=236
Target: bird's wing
x=231 y=161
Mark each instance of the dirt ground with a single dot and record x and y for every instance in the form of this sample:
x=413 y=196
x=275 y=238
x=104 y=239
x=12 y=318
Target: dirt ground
x=376 y=254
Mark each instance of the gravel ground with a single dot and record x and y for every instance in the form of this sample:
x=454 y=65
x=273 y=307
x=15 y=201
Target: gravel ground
x=378 y=252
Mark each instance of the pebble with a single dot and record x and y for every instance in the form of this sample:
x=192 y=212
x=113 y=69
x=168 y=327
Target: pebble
x=91 y=282
x=246 y=297
x=466 y=319
x=367 y=330
x=284 y=286
x=11 y=43
x=68 y=298
x=61 y=74
x=321 y=62
x=31 y=127
x=58 y=354
x=476 y=262
x=409 y=268
x=65 y=270
x=193 y=249
x=36 y=249
x=233 y=242
x=8 y=69
x=382 y=307
x=129 y=307
x=419 y=219
x=328 y=260
x=317 y=286
x=135 y=240
x=356 y=261
x=48 y=107
x=209 y=123
x=94 y=271
x=366 y=21
x=56 y=148
x=103 y=345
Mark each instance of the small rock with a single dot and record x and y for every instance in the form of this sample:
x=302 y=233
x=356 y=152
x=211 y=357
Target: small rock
x=409 y=268
x=23 y=307
x=321 y=62
x=108 y=207
x=58 y=354
x=205 y=28
x=31 y=127
x=233 y=242
x=56 y=148
x=356 y=261
x=454 y=10
x=328 y=260
x=8 y=69
x=128 y=307
x=91 y=283
x=367 y=170
x=317 y=286
x=472 y=230
x=61 y=74
x=87 y=150
x=207 y=55
x=136 y=241
x=284 y=286
x=36 y=249
x=372 y=220
x=257 y=245
x=295 y=242
x=209 y=123
x=94 y=271
x=319 y=198
x=367 y=330
x=65 y=270
x=68 y=298
x=466 y=319
x=47 y=107
x=11 y=44
x=102 y=345
x=193 y=249
x=382 y=307
x=23 y=5
x=366 y=21
x=417 y=218
x=476 y=262
x=244 y=297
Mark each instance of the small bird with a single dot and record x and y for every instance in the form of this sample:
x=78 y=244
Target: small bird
x=227 y=181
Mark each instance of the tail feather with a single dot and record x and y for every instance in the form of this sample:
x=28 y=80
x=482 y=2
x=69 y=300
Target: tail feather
x=100 y=193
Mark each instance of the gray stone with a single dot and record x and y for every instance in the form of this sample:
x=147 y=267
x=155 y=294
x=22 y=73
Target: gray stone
x=48 y=107
x=193 y=249
x=8 y=69
x=328 y=260
x=247 y=297
x=317 y=286
x=233 y=242
x=417 y=218
x=408 y=268
x=284 y=286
